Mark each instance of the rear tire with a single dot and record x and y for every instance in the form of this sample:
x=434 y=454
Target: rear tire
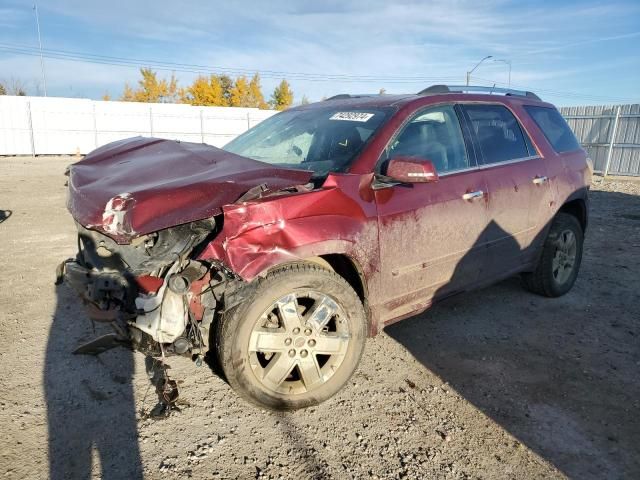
x=295 y=340
x=560 y=260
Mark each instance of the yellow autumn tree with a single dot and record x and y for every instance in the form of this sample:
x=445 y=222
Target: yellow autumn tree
x=240 y=93
x=151 y=89
x=206 y=91
x=128 y=95
x=256 y=99
x=282 y=97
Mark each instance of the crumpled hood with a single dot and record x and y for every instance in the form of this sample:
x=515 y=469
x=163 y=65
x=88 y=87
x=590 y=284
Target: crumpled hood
x=141 y=185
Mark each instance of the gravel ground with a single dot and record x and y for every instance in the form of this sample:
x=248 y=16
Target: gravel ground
x=497 y=383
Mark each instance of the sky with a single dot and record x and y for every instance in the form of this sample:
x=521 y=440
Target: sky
x=570 y=53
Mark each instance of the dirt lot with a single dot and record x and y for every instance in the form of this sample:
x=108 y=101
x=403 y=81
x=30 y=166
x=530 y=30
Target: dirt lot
x=494 y=384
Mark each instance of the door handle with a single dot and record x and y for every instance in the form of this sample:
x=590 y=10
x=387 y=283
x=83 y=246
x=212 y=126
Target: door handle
x=472 y=195
x=540 y=180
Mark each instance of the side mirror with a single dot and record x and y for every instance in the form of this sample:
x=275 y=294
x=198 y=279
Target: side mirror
x=412 y=170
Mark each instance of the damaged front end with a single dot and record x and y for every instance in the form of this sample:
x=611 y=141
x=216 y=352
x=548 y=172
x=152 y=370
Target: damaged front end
x=145 y=209
x=159 y=300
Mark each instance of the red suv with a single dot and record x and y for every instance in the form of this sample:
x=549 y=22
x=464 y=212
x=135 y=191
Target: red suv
x=281 y=252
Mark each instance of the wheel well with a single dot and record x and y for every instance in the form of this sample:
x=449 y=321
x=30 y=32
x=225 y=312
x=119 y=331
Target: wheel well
x=578 y=209
x=347 y=269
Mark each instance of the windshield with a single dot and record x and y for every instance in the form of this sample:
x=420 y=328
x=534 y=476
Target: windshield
x=319 y=140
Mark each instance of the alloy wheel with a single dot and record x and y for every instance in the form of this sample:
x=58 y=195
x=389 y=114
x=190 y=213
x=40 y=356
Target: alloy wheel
x=565 y=256
x=299 y=342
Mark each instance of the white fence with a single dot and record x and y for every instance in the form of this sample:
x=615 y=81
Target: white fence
x=611 y=135
x=55 y=126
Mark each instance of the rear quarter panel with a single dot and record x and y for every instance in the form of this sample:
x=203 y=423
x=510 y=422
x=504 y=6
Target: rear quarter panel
x=568 y=172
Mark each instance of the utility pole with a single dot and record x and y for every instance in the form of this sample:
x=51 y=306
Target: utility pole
x=44 y=78
x=477 y=65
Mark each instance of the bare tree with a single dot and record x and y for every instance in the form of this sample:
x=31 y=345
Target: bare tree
x=14 y=86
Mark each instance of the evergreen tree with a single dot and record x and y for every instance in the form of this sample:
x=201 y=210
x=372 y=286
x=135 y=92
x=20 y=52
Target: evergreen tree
x=227 y=85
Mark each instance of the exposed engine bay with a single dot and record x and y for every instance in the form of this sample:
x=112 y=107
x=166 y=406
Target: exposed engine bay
x=156 y=296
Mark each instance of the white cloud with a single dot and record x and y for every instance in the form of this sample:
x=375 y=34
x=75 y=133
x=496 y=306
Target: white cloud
x=435 y=38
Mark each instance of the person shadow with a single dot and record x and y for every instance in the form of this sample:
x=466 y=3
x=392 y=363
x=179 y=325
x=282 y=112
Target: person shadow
x=91 y=409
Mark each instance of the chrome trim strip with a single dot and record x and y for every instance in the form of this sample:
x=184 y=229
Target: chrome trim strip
x=489 y=165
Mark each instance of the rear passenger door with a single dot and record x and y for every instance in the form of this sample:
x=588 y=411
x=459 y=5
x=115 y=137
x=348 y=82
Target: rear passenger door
x=518 y=192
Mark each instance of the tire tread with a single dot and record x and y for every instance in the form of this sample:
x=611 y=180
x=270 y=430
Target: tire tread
x=540 y=281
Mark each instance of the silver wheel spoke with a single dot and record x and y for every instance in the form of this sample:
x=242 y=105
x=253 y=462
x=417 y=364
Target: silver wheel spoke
x=266 y=341
x=310 y=371
x=278 y=370
x=288 y=308
x=322 y=313
x=331 y=344
x=570 y=240
x=284 y=344
x=565 y=257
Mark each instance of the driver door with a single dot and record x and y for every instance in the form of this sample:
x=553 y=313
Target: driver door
x=431 y=234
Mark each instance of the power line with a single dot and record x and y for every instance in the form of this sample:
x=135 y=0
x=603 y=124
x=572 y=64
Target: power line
x=558 y=93
x=194 y=68
x=274 y=74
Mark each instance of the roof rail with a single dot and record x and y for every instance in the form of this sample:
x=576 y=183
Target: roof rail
x=343 y=96
x=438 y=89
x=338 y=97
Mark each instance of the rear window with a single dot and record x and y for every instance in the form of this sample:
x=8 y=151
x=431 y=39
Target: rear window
x=498 y=133
x=554 y=127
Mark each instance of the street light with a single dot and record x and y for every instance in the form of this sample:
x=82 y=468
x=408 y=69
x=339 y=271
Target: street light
x=508 y=62
x=477 y=65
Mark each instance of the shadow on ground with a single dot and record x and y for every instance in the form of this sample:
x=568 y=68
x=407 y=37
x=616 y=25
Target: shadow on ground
x=561 y=375
x=90 y=403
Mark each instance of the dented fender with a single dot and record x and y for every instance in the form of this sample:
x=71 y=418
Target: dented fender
x=259 y=235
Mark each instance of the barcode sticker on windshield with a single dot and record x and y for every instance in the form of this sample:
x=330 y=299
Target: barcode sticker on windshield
x=352 y=116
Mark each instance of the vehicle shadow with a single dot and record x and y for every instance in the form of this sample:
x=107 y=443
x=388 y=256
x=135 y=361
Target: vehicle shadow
x=90 y=403
x=4 y=215
x=559 y=374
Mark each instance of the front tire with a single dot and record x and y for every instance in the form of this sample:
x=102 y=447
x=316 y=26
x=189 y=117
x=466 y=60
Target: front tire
x=560 y=260
x=295 y=341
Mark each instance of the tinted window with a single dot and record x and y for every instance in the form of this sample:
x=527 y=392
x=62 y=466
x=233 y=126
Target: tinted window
x=554 y=127
x=433 y=134
x=498 y=133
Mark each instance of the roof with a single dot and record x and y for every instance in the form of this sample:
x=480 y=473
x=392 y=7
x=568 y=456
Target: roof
x=456 y=93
